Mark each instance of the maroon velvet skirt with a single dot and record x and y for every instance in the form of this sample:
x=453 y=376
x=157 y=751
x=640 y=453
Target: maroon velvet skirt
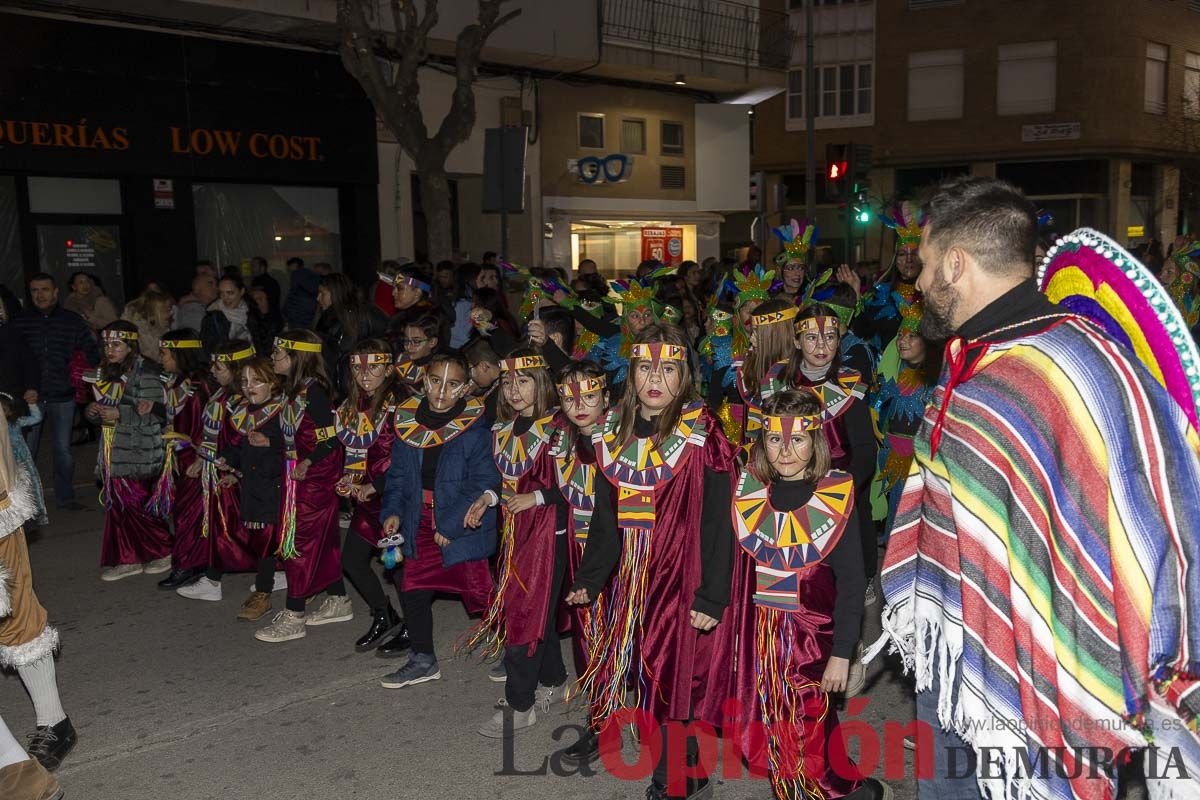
x=365 y=523
x=131 y=534
x=470 y=580
x=318 y=537
x=190 y=550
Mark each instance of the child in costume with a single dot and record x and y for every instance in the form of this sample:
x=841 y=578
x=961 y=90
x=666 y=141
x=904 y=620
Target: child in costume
x=238 y=541
x=253 y=456
x=795 y=517
x=309 y=535
x=421 y=340
x=441 y=464
x=367 y=433
x=130 y=406
x=750 y=288
x=23 y=459
x=522 y=621
x=673 y=467
x=798 y=240
x=880 y=318
x=185 y=372
x=765 y=371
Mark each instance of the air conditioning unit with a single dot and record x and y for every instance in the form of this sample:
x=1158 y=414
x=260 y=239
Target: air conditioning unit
x=512 y=115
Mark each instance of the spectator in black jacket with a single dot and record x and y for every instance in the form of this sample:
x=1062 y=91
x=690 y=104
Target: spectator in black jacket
x=262 y=279
x=53 y=335
x=231 y=317
x=19 y=375
x=345 y=319
x=301 y=307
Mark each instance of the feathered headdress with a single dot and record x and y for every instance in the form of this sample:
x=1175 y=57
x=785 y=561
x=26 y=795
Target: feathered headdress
x=910 y=315
x=754 y=285
x=1044 y=219
x=798 y=239
x=632 y=293
x=906 y=220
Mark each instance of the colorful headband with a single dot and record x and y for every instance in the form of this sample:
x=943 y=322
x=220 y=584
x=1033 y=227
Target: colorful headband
x=906 y=220
x=797 y=239
x=365 y=359
x=815 y=325
x=772 y=317
x=413 y=282
x=240 y=355
x=787 y=425
x=910 y=315
x=180 y=344
x=580 y=388
x=659 y=351
x=522 y=362
x=119 y=335
x=303 y=347
x=390 y=280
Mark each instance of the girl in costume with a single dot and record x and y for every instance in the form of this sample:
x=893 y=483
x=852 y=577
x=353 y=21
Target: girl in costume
x=664 y=451
x=441 y=464
x=522 y=621
x=309 y=535
x=764 y=372
x=583 y=398
x=750 y=289
x=817 y=366
x=795 y=517
x=253 y=456
x=365 y=429
x=239 y=539
x=130 y=406
x=421 y=340
x=19 y=415
x=880 y=318
x=798 y=241
x=899 y=406
x=616 y=333
x=185 y=369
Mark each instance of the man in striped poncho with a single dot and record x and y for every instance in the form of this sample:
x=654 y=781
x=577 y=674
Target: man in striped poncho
x=1043 y=574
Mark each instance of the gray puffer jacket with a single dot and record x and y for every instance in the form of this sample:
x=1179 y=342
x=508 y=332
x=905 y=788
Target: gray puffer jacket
x=137 y=448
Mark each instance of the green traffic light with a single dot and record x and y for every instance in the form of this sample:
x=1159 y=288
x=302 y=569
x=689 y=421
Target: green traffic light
x=864 y=216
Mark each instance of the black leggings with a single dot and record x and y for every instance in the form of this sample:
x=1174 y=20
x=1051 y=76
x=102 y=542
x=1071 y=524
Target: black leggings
x=545 y=666
x=263 y=582
x=356 y=565
x=418 y=614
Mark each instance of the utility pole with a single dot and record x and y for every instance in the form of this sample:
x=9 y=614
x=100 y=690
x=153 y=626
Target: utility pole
x=810 y=113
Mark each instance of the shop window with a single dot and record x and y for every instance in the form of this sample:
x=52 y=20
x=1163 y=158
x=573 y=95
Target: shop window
x=1156 y=77
x=591 y=131
x=633 y=136
x=935 y=85
x=1026 y=78
x=237 y=221
x=672 y=138
x=1191 y=86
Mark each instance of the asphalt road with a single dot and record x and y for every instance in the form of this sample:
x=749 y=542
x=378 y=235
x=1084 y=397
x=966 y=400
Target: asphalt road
x=175 y=698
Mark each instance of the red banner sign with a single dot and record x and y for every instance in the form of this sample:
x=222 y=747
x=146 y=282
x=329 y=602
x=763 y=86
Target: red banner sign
x=663 y=244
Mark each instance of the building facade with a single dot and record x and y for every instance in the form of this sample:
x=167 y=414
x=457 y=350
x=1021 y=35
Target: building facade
x=1088 y=105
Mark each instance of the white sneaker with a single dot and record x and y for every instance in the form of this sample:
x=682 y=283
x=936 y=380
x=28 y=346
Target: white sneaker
x=857 y=676
x=157 y=566
x=204 y=589
x=546 y=696
x=121 y=571
x=279 y=585
x=334 y=609
x=285 y=626
x=495 y=727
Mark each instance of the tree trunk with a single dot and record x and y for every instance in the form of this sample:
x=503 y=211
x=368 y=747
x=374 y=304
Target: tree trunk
x=435 y=202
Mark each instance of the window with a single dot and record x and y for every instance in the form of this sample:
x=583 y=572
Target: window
x=1156 y=77
x=843 y=90
x=1026 y=78
x=843 y=79
x=1191 y=86
x=633 y=136
x=935 y=85
x=672 y=138
x=795 y=94
x=672 y=177
x=864 y=88
x=591 y=131
x=829 y=93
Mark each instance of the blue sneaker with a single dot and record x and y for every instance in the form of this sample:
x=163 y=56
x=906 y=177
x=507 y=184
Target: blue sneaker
x=498 y=674
x=420 y=668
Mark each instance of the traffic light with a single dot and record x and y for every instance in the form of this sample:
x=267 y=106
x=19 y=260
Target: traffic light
x=862 y=203
x=758 y=191
x=836 y=166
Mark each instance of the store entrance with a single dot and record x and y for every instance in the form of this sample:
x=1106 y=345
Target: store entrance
x=93 y=245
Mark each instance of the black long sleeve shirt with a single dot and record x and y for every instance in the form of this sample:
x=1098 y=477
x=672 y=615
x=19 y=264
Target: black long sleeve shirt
x=846 y=562
x=319 y=409
x=433 y=420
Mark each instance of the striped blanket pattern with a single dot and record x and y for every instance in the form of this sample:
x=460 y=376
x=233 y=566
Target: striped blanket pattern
x=1047 y=558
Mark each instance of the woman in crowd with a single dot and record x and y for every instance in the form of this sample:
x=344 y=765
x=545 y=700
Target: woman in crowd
x=186 y=374
x=367 y=433
x=130 y=406
x=309 y=540
x=343 y=319
x=150 y=313
x=441 y=464
x=231 y=317
x=664 y=450
x=88 y=300
x=522 y=622
x=412 y=295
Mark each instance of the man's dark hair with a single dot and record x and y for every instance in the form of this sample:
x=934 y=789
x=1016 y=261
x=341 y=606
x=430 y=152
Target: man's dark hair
x=299 y=262
x=990 y=219
x=479 y=352
x=44 y=276
x=560 y=321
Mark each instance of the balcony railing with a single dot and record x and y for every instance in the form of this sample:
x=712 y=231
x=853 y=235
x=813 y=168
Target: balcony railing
x=718 y=30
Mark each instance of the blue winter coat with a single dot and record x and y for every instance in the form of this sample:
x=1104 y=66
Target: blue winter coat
x=464 y=472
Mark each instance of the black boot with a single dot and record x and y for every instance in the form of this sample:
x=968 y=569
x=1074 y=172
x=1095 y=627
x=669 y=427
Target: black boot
x=50 y=744
x=398 y=645
x=383 y=622
x=584 y=751
x=180 y=577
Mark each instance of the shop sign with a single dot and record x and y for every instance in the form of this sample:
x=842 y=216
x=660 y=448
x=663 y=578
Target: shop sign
x=663 y=244
x=1051 y=132
x=615 y=168
x=1135 y=231
x=164 y=193
x=213 y=142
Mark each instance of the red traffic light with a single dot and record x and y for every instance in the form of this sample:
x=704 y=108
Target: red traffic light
x=837 y=170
